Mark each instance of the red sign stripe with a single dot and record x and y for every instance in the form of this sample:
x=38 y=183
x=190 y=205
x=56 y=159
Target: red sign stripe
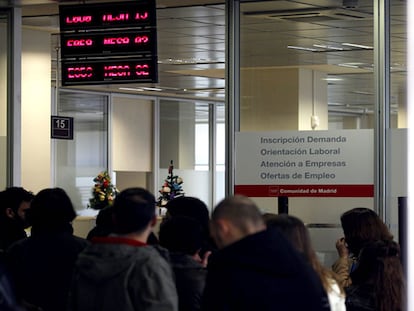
x=305 y=190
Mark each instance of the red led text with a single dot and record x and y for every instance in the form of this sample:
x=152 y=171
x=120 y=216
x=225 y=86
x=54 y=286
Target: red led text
x=141 y=39
x=115 y=18
x=80 y=42
x=116 y=41
x=80 y=72
x=141 y=16
x=142 y=70
x=117 y=71
x=79 y=19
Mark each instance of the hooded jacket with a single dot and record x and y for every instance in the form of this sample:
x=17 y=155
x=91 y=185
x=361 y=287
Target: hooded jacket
x=124 y=275
x=262 y=272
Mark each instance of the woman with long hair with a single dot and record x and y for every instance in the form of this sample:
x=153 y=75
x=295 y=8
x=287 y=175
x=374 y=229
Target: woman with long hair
x=361 y=226
x=378 y=281
x=296 y=232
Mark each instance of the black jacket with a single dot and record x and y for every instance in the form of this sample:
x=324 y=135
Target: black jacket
x=262 y=272
x=190 y=279
x=41 y=267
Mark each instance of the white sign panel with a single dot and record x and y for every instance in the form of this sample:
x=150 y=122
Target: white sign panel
x=305 y=163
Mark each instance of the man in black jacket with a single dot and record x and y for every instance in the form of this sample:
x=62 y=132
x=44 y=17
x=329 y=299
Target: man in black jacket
x=256 y=268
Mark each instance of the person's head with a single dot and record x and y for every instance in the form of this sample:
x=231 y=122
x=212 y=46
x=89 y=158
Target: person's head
x=133 y=211
x=362 y=225
x=295 y=231
x=181 y=234
x=234 y=218
x=380 y=266
x=14 y=202
x=190 y=207
x=51 y=209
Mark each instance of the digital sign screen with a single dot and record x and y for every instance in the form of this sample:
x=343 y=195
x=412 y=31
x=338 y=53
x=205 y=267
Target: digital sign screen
x=109 y=43
x=107 y=15
x=109 y=71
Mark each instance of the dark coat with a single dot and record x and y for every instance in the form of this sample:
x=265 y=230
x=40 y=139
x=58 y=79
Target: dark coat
x=190 y=279
x=262 y=272
x=10 y=232
x=360 y=297
x=41 y=267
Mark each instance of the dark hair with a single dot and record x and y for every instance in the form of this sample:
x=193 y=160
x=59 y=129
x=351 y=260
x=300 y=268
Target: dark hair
x=181 y=234
x=239 y=210
x=51 y=208
x=362 y=225
x=104 y=223
x=295 y=231
x=133 y=210
x=380 y=266
x=12 y=197
x=190 y=207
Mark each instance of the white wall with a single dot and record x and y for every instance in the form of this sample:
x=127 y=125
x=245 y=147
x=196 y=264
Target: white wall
x=36 y=102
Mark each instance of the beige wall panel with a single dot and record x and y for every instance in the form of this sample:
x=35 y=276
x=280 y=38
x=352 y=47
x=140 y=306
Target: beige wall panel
x=132 y=134
x=269 y=99
x=36 y=103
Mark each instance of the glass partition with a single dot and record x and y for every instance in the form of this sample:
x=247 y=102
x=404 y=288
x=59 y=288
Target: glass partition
x=4 y=20
x=186 y=139
x=306 y=83
x=78 y=161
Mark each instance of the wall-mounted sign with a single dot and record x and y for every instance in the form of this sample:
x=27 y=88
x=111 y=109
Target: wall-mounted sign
x=305 y=163
x=108 y=43
x=61 y=127
x=107 y=15
x=109 y=71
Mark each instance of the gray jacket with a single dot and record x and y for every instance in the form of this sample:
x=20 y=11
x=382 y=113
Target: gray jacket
x=119 y=274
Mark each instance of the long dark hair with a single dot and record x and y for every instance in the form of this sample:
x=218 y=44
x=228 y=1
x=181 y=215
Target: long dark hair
x=298 y=235
x=380 y=266
x=362 y=225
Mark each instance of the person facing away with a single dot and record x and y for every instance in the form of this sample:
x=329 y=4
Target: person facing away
x=41 y=265
x=183 y=237
x=256 y=268
x=295 y=231
x=378 y=282
x=121 y=271
x=361 y=226
x=14 y=202
x=196 y=209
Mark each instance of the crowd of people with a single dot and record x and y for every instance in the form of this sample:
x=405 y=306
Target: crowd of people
x=235 y=259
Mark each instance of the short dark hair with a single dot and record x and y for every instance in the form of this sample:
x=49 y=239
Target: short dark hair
x=12 y=197
x=181 y=234
x=239 y=210
x=51 y=208
x=190 y=207
x=133 y=210
x=362 y=225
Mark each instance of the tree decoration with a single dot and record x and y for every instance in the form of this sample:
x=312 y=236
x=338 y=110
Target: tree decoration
x=103 y=192
x=171 y=188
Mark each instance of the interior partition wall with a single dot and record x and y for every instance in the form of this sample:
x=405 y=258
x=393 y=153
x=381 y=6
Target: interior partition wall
x=4 y=61
x=314 y=71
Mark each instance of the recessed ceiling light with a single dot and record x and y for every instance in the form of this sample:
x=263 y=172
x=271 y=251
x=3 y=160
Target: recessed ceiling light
x=367 y=47
x=301 y=48
x=333 y=79
x=131 y=89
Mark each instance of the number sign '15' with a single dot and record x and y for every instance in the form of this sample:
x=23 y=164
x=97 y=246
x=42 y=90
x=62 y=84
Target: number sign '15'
x=61 y=127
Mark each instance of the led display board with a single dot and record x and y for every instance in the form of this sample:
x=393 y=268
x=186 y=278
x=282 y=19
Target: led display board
x=107 y=15
x=108 y=43
x=108 y=71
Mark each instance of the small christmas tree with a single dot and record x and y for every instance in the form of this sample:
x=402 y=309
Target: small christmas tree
x=103 y=193
x=171 y=188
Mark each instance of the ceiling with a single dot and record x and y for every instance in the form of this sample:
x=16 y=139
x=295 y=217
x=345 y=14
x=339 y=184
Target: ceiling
x=300 y=34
